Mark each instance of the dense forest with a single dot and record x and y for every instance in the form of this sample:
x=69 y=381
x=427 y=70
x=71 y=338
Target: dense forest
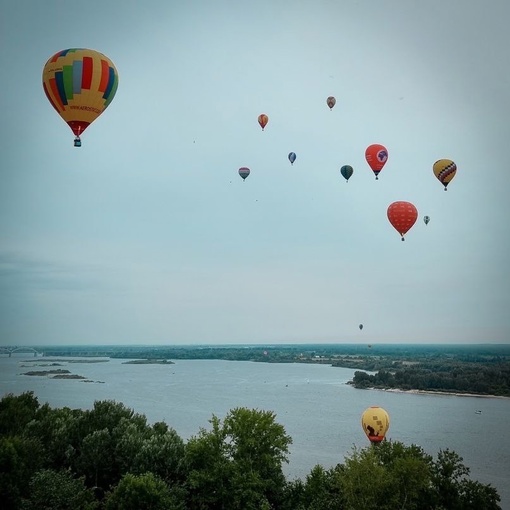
x=454 y=377
x=111 y=458
x=477 y=369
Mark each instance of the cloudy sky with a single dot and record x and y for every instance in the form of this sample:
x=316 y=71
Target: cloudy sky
x=147 y=234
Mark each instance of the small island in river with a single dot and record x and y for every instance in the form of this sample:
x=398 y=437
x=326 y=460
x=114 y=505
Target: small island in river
x=149 y=362
x=55 y=374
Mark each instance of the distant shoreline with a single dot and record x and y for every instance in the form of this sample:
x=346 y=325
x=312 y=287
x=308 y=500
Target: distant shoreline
x=431 y=392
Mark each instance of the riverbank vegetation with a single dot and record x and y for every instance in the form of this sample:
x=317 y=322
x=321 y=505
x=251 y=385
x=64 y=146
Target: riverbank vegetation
x=111 y=458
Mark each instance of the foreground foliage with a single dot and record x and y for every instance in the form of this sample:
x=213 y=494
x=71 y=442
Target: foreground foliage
x=110 y=458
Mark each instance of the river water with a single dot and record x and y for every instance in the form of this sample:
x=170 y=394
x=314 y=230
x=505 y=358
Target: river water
x=313 y=402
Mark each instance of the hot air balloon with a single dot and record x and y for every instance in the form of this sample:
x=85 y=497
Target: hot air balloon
x=347 y=171
x=361 y=326
x=444 y=170
x=375 y=422
x=426 y=219
x=292 y=157
x=376 y=156
x=263 y=120
x=244 y=172
x=331 y=101
x=80 y=84
x=402 y=216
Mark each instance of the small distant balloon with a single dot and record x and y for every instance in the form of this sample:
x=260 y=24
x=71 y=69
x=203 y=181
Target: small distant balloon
x=292 y=157
x=331 y=102
x=376 y=156
x=375 y=422
x=402 y=215
x=361 y=326
x=347 y=172
x=244 y=172
x=426 y=219
x=444 y=170
x=263 y=120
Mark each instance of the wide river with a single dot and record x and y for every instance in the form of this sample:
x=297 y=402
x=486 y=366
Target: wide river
x=313 y=402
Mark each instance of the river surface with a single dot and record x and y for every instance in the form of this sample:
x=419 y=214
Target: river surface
x=313 y=402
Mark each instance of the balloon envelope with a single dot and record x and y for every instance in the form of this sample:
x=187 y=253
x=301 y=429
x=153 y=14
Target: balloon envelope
x=331 y=101
x=263 y=120
x=347 y=171
x=244 y=172
x=375 y=422
x=402 y=215
x=376 y=156
x=80 y=84
x=426 y=219
x=292 y=157
x=444 y=170
x=361 y=326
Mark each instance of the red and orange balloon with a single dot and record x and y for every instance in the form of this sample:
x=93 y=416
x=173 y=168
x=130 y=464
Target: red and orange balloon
x=376 y=156
x=263 y=120
x=402 y=215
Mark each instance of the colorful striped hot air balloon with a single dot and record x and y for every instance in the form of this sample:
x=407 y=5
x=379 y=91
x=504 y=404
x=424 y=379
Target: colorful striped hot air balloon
x=80 y=84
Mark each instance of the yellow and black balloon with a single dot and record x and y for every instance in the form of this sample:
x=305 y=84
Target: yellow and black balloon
x=80 y=84
x=375 y=422
x=444 y=170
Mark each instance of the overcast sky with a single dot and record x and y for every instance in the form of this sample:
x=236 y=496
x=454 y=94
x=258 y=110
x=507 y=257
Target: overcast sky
x=147 y=234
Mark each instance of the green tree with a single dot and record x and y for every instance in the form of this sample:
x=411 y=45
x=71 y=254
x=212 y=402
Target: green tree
x=142 y=492
x=59 y=430
x=322 y=489
x=366 y=484
x=238 y=464
x=453 y=490
x=58 y=490
x=163 y=455
x=20 y=458
x=16 y=412
x=96 y=459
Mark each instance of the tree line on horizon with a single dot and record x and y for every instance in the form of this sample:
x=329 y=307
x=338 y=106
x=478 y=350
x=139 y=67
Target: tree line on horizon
x=110 y=457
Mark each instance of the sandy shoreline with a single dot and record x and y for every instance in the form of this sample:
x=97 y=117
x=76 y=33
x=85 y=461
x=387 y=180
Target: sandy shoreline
x=442 y=393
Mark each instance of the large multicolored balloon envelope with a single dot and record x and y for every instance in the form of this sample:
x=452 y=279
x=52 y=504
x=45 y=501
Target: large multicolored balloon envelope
x=292 y=157
x=80 y=84
x=375 y=422
x=376 y=156
x=331 y=101
x=402 y=216
x=263 y=120
x=347 y=172
x=444 y=170
x=244 y=172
